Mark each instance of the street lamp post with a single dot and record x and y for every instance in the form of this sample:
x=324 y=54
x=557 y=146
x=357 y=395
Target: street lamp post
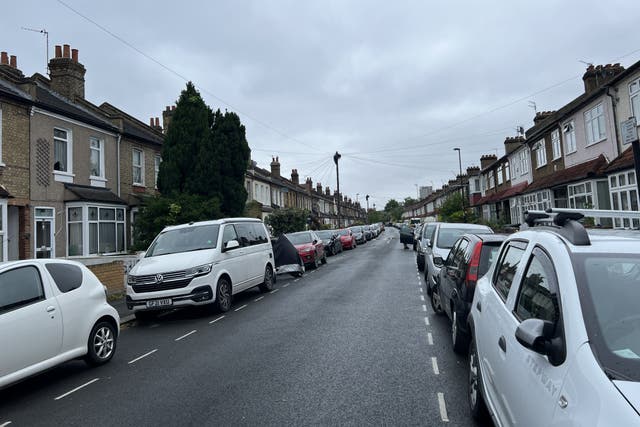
x=367 y=208
x=336 y=157
x=464 y=214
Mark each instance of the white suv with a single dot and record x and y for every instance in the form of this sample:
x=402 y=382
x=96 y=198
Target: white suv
x=556 y=328
x=201 y=263
x=52 y=311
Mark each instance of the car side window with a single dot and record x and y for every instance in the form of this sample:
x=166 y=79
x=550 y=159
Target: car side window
x=537 y=297
x=452 y=255
x=228 y=234
x=20 y=287
x=506 y=269
x=459 y=260
x=67 y=277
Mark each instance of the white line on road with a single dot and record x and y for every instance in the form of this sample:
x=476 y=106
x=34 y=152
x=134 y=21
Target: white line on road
x=426 y=320
x=421 y=291
x=240 y=308
x=434 y=363
x=430 y=338
x=215 y=320
x=421 y=296
x=296 y=280
x=143 y=356
x=443 y=408
x=285 y=285
x=186 y=335
x=76 y=389
x=258 y=299
x=274 y=291
x=424 y=308
x=5 y=424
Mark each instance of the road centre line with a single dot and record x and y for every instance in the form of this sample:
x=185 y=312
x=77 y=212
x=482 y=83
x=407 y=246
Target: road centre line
x=434 y=363
x=186 y=335
x=215 y=320
x=430 y=338
x=296 y=280
x=274 y=291
x=240 y=308
x=258 y=299
x=5 y=424
x=421 y=291
x=426 y=320
x=143 y=356
x=76 y=389
x=424 y=307
x=421 y=296
x=443 y=408
x=285 y=285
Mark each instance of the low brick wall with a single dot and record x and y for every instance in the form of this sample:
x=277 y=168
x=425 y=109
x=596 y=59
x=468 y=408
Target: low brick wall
x=111 y=275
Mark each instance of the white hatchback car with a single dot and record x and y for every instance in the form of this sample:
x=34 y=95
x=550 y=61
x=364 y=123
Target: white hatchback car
x=52 y=311
x=556 y=328
x=201 y=263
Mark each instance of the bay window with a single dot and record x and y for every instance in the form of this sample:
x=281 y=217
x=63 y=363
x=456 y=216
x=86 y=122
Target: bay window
x=624 y=197
x=95 y=229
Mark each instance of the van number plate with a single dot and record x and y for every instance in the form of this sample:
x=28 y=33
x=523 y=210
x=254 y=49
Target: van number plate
x=159 y=303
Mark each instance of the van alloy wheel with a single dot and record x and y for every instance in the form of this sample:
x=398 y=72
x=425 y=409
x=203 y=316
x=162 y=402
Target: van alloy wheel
x=267 y=285
x=223 y=295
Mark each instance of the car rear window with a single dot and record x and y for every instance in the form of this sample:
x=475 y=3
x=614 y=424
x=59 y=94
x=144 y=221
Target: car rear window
x=448 y=236
x=66 y=276
x=488 y=255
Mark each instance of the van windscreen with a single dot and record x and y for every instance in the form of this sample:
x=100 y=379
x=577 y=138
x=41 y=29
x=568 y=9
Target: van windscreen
x=185 y=240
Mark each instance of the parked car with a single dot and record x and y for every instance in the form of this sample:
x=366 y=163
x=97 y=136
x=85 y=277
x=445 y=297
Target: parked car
x=416 y=236
x=406 y=235
x=347 y=238
x=469 y=259
x=52 y=311
x=310 y=247
x=557 y=317
x=437 y=250
x=425 y=235
x=201 y=263
x=368 y=233
x=358 y=233
x=331 y=240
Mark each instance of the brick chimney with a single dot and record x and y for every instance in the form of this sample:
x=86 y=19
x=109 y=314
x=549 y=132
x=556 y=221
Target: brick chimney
x=319 y=188
x=294 y=176
x=512 y=143
x=309 y=185
x=9 y=66
x=327 y=191
x=487 y=160
x=473 y=170
x=167 y=115
x=67 y=74
x=599 y=75
x=541 y=116
x=275 y=167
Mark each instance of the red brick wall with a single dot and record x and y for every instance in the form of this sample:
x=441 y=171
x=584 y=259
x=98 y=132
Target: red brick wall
x=111 y=275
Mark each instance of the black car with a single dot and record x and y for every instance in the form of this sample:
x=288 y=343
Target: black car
x=406 y=235
x=331 y=240
x=469 y=259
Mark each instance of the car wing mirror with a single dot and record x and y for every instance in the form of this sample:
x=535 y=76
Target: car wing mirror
x=315 y=242
x=231 y=244
x=438 y=261
x=534 y=334
x=427 y=243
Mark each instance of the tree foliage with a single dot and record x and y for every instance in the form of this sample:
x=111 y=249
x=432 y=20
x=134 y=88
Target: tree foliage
x=288 y=220
x=451 y=210
x=394 y=209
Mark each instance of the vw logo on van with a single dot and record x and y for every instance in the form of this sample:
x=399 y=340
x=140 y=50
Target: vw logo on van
x=159 y=278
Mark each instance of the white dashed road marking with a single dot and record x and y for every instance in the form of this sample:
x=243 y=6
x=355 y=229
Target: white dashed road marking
x=426 y=320
x=443 y=408
x=430 y=338
x=258 y=299
x=434 y=363
x=274 y=291
x=424 y=308
x=215 y=320
x=143 y=356
x=296 y=280
x=5 y=424
x=186 y=335
x=421 y=296
x=76 y=389
x=240 y=308
x=285 y=285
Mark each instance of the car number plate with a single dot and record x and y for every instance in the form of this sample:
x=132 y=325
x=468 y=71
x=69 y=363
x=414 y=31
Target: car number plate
x=159 y=303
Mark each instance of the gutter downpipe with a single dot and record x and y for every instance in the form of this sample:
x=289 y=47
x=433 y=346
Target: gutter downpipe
x=118 y=162
x=615 y=119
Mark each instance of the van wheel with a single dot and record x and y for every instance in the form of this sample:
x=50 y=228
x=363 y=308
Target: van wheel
x=267 y=285
x=223 y=295
x=101 y=345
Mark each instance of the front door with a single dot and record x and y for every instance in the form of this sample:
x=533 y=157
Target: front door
x=44 y=226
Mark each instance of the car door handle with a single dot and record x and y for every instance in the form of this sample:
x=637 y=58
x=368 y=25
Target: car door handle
x=479 y=306
x=51 y=309
x=502 y=343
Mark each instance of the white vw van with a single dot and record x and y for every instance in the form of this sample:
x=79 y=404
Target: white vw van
x=201 y=263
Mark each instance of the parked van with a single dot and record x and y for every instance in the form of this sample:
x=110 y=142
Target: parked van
x=201 y=263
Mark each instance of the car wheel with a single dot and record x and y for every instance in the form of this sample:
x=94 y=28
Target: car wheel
x=267 y=285
x=459 y=339
x=223 y=295
x=101 y=345
x=324 y=258
x=315 y=264
x=420 y=263
x=436 y=304
x=477 y=405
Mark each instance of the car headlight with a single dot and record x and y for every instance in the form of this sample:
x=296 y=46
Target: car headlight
x=307 y=250
x=131 y=280
x=200 y=270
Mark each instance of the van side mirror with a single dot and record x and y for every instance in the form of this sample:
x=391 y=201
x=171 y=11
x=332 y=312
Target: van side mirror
x=231 y=244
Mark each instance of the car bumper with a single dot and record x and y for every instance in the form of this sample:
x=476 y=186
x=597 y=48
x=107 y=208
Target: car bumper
x=308 y=258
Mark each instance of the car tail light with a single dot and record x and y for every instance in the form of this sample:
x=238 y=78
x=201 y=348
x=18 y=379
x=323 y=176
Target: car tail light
x=474 y=264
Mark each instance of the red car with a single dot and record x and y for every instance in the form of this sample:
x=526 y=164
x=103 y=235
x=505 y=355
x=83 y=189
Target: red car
x=310 y=248
x=347 y=239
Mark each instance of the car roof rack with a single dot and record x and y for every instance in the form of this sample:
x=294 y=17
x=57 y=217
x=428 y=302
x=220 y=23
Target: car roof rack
x=564 y=222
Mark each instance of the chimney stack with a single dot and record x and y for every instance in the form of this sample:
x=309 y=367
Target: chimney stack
x=319 y=188
x=13 y=62
x=512 y=143
x=9 y=67
x=4 y=58
x=67 y=74
x=597 y=76
x=309 y=185
x=294 y=176
x=167 y=116
x=327 y=191
x=275 y=167
x=151 y=121
x=541 y=116
x=487 y=160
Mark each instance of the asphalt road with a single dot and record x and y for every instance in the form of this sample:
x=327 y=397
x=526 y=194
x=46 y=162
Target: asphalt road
x=352 y=343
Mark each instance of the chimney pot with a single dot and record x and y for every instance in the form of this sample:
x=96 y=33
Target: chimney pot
x=58 y=51
x=157 y=122
x=173 y=107
x=167 y=108
x=151 y=122
x=4 y=58
x=74 y=55
x=13 y=62
x=66 y=51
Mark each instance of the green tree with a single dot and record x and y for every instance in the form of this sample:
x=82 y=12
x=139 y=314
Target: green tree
x=451 y=210
x=287 y=220
x=394 y=209
x=378 y=216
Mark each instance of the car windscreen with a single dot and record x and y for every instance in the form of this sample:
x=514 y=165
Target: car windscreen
x=356 y=229
x=448 y=236
x=186 y=239
x=609 y=289
x=343 y=232
x=325 y=235
x=300 y=238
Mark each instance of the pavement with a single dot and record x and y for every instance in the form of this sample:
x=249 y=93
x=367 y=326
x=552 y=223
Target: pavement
x=120 y=305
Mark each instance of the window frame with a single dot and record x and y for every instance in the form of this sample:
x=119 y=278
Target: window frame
x=569 y=137
x=591 y=121
x=156 y=168
x=541 y=153
x=524 y=162
x=556 y=145
x=60 y=175
x=100 y=150
x=86 y=228
x=134 y=166
x=634 y=94
x=500 y=176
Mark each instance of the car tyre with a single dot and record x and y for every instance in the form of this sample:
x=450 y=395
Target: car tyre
x=324 y=258
x=101 y=345
x=477 y=404
x=459 y=339
x=223 y=295
x=269 y=280
x=420 y=262
x=436 y=303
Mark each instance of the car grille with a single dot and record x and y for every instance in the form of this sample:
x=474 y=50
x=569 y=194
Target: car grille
x=152 y=278
x=163 y=286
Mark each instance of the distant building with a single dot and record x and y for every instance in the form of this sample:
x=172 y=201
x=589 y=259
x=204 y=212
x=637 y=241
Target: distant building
x=425 y=191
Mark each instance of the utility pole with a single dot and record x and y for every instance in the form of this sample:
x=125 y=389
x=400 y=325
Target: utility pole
x=464 y=213
x=336 y=157
x=367 y=208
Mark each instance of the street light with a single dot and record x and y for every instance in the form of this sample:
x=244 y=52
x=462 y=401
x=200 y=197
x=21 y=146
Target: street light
x=464 y=215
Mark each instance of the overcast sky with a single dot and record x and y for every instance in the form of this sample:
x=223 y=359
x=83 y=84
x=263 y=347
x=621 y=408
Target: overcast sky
x=393 y=86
